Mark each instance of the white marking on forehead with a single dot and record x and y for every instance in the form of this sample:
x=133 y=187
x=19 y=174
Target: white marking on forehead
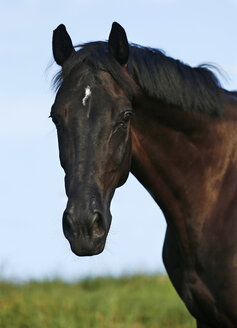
x=87 y=95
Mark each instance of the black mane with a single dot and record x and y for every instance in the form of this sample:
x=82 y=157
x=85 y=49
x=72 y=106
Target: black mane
x=159 y=76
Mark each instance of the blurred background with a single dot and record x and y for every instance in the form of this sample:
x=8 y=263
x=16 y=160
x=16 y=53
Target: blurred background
x=32 y=245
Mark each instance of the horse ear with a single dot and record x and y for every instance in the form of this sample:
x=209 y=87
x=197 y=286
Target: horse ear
x=62 y=45
x=118 y=44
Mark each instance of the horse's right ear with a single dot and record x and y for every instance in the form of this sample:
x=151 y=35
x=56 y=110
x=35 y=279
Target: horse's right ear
x=118 y=44
x=62 y=45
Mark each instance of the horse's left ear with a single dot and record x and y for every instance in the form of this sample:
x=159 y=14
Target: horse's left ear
x=62 y=45
x=118 y=44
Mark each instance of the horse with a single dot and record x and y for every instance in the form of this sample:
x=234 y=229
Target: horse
x=122 y=108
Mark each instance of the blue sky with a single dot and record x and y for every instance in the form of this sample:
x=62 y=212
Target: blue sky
x=32 y=245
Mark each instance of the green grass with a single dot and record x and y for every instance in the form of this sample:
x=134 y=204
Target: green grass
x=135 y=302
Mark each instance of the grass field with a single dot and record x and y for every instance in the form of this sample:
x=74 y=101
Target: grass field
x=135 y=302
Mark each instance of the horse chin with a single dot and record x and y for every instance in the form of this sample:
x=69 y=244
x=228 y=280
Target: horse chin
x=86 y=251
x=87 y=247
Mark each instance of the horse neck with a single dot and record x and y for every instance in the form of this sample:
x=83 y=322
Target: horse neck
x=184 y=160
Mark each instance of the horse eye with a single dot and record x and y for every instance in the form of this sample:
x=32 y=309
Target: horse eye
x=56 y=121
x=126 y=116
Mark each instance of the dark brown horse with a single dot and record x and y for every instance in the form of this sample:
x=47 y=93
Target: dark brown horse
x=122 y=108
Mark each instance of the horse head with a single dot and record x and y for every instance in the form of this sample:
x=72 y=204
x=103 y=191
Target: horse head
x=92 y=115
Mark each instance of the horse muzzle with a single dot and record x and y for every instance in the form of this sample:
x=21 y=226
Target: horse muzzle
x=86 y=232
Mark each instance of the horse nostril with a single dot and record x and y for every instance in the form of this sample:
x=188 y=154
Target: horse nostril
x=68 y=226
x=97 y=227
x=90 y=227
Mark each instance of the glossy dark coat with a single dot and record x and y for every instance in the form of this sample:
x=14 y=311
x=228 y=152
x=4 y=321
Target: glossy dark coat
x=175 y=129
